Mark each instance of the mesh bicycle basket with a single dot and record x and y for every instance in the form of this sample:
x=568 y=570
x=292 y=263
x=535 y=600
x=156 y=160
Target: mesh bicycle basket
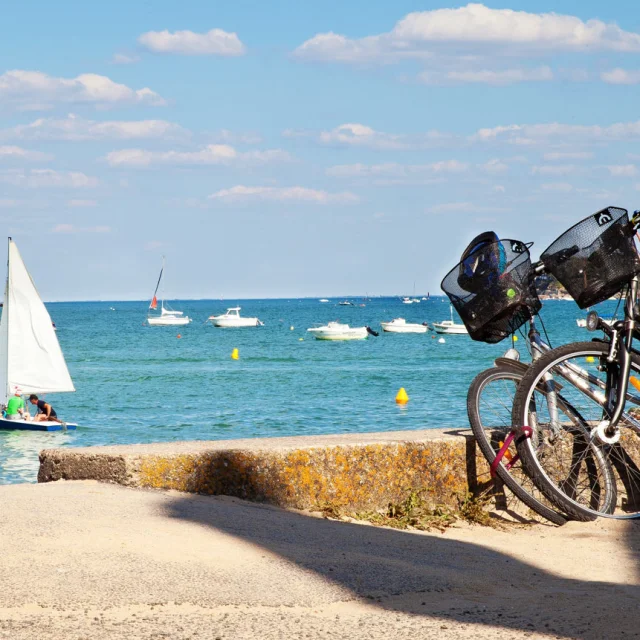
x=492 y=290
x=596 y=258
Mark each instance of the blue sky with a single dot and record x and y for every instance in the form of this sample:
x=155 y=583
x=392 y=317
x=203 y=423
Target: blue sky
x=294 y=148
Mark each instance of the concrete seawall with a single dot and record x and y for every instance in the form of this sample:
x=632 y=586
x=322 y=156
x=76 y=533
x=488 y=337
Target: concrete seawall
x=354 y=471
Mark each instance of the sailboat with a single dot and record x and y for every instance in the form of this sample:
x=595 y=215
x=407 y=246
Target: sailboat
x=31 y=360
x=168 y=317
x=449 y=326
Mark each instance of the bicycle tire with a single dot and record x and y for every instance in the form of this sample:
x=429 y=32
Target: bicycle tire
x=485 y=437
x=619 y=477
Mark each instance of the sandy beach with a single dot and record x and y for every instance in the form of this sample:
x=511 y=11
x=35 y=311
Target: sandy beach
x=86 y=560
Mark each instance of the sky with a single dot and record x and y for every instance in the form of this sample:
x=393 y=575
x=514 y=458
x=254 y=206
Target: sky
x=289 y=149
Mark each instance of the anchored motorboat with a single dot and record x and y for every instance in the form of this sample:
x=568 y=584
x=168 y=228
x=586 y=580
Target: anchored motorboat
x=400 y=325
x=450 y=327
x=339 y=331
x=582 y=322
x=232 y=318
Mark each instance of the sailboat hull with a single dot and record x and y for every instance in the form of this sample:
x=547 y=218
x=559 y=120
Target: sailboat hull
x=23 y=425
x=168 y=321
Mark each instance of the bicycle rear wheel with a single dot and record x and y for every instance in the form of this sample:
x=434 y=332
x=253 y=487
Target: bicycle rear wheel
x=489 y=406
x=566 y=459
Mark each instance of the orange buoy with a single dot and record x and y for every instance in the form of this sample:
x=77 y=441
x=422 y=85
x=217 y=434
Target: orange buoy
x=179 y=336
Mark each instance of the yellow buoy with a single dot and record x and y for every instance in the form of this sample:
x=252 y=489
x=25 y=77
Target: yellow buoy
x=235 y=354
x=590 y=359
x=515 y=338
x=402 y=397
x=635 y=382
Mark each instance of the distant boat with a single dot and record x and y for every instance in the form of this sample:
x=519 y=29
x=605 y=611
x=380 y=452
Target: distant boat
x=450 y=327
x=582 y=322
x=339 y=331
x=232 y=318
x=400 y=325
x=323 y=300
x=168 y=317
x=346 y=303
x=407 y=300
x=31 y=360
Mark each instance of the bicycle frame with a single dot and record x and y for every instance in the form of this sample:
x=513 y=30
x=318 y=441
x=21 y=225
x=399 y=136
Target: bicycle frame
x=621 y=342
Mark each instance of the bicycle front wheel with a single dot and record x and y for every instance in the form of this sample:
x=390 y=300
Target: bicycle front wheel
x=489 y=405
x=562 y=399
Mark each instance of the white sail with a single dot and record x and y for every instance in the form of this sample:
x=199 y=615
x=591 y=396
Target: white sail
x=30 y=355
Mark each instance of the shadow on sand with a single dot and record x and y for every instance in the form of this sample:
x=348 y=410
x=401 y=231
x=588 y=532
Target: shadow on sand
x=434 y=575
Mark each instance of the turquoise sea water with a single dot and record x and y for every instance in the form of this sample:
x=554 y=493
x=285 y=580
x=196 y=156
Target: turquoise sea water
x=138 y=384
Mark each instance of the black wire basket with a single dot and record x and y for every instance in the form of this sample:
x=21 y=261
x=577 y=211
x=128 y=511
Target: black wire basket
x=596 y=258
x=493 y=290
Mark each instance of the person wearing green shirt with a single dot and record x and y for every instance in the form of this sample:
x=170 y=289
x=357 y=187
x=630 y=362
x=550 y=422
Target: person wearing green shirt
x=15 y=408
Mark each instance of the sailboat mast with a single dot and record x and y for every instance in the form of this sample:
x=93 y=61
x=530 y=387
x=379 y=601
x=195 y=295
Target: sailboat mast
x=155 y=293
x=162 y=290
x=4 y=337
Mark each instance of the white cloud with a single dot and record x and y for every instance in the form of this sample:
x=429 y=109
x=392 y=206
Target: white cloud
x=622 y=170
x=82 y=203
x=494 y=167
x=532 y=134
x=213 y=154
x=360 y=135
x=124 y=58
x=463 y=207
x=562 y=187
x=554 y=169
x=498 y=188
x=474 y=28
x=241 y=193
x=8 y=203
x=568 y=155
x=34 y=90
x=393 y=169
x=8 y=152
x=44 y=178
x=215 y=42
x=620 y=76
x=486 y=76
x=76 y=128
x=70 y=228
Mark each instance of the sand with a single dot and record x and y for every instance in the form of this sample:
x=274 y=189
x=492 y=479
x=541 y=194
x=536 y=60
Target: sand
x=82 y=560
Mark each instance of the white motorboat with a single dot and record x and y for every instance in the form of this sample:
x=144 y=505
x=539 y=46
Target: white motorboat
x=232 y=318
x=339 y=331
x=582 y=322
x=407 y=300
x=400 y=325
x=323 y=300
x=346 y=303
x=31 y=360
x=450 y=327
x=168 y=317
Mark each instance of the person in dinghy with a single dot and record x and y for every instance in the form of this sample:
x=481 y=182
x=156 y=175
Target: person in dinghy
x=46 y=413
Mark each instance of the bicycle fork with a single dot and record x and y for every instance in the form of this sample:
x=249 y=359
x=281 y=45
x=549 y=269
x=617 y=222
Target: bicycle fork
x=618 y=376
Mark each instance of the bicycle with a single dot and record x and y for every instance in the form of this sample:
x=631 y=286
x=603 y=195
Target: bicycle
x=506 y=265
x=583 y=452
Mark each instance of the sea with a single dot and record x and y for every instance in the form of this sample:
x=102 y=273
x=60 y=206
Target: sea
x=141 y=384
